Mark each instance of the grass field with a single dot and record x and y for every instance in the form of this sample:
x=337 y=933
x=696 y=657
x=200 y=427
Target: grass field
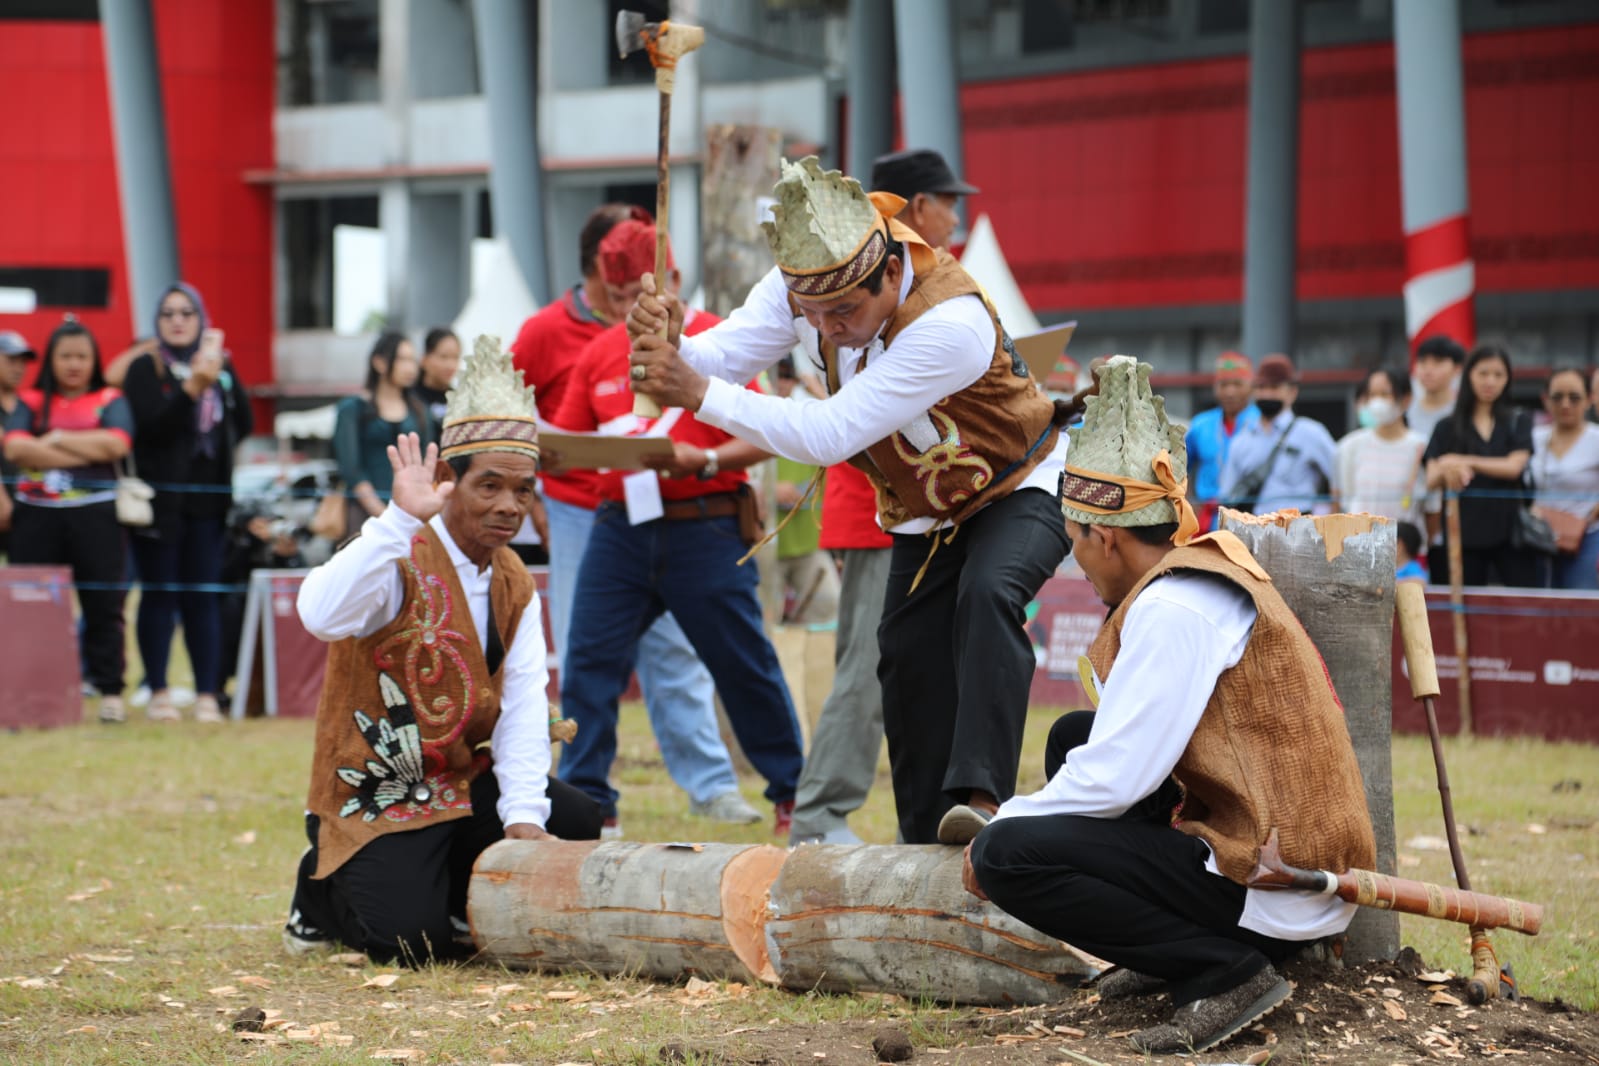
x=145 y=873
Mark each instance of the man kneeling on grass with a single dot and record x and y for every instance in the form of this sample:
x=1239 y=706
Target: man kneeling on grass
x=436 y=676
x=1216 y=724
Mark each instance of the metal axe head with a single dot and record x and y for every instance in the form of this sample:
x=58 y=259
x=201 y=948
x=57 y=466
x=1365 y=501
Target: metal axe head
x=664 y=40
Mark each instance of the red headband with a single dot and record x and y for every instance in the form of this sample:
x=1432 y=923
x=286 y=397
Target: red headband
x=628 y=252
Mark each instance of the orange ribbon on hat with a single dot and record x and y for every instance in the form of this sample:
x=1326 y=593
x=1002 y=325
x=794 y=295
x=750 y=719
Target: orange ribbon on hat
x=888 y=205
x=1136 y=495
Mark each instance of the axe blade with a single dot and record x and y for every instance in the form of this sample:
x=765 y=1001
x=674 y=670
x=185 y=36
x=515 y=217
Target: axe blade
x=633 y=32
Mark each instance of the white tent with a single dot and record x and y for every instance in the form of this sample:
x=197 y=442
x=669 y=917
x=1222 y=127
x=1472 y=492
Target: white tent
x=984 y=261
x=500 y=301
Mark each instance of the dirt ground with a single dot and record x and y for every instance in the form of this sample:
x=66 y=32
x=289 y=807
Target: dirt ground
x=1376 y=1014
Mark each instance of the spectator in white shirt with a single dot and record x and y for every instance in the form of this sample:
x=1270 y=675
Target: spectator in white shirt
x=1565 y=470
x=1378 y=469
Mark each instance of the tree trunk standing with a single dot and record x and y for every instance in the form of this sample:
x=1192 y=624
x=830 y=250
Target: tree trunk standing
x=741 y=167
x=655 y=910
x=1336 y=573
x=895 y=918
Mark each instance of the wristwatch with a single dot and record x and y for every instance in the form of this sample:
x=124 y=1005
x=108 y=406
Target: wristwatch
x=711 y=466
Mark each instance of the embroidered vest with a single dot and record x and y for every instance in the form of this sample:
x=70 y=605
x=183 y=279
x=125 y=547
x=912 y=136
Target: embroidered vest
x=969 y=448
x=404 y=710
x=1271 y=749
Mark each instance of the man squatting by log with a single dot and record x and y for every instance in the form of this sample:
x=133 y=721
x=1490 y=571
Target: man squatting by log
x=432 y=733
x=927 y=395
x=1216 y=724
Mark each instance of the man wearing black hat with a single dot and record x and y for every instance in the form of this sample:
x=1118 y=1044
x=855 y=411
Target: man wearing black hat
x=931 y=191
x=15 y=355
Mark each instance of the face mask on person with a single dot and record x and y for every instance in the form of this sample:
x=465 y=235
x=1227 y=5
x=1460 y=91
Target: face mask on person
x=1269 y=408
x=1377 y=412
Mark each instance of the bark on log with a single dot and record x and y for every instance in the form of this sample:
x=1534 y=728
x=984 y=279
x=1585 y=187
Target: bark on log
x=1336 y=573
x=896 y=919
x=652 y=910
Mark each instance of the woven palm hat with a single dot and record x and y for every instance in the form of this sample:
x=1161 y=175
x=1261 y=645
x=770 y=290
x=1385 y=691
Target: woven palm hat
x=1124 y=430
x=826 y=233
x=489 y=409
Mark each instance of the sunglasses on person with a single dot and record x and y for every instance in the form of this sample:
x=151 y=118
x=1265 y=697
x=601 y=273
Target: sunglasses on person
x=179 y=312
x=1567 y=397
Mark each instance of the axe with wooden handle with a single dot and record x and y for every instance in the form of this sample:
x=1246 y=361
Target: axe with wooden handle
x=1410 y=602
x=665 y=43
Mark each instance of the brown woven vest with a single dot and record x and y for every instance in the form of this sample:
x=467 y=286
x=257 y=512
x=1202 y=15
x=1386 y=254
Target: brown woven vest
x=991 y=433
x=1271 y=749
x=404 y=710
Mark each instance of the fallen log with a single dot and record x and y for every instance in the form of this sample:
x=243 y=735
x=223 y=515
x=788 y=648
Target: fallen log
x=897 y=919
x=651 y=910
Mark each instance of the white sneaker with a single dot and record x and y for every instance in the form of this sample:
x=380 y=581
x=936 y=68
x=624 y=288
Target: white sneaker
x=301 y=939
x=611 y=829
x=112 y=710
x=140 y=697
x=729 y=807
x=182 y=696
x=206 y=709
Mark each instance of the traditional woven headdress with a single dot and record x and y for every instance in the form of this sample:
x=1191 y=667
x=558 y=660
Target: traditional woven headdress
x=828 y=234
x=1127 y=464
x=489 y=409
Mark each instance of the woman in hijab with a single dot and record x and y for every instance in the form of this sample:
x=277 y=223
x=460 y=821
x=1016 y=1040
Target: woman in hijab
x=189 y=412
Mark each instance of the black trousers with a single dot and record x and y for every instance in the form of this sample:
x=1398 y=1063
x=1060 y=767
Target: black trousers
x=395 y=897
x=90 y=540
x=1131 y=890
x=957 y=663
x=1504 y=565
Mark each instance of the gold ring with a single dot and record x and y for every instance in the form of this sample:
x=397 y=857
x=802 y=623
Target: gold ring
x=639 y=371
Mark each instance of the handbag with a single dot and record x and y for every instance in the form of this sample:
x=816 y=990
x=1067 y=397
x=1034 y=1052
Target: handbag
x=1532 y=533
x=134 y=497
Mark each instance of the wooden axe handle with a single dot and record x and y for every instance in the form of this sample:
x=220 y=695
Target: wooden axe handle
x=1410 y=601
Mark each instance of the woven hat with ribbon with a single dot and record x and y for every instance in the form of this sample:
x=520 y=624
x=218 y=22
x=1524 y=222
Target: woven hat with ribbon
x=1127 y=464
x=489 y=409
x=828 y=234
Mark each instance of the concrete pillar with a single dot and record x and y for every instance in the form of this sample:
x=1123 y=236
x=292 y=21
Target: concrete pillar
x=1440 y=276
x=929 y=82
x=144 y=179
x=442 y=51
x=437 y=260
x=394 y=207
x=1271 y=204
x=507 y=41
x=870 y=86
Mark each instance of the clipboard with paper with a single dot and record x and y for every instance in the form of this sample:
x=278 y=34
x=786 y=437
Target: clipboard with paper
x=602 y=451
x=1040 y=350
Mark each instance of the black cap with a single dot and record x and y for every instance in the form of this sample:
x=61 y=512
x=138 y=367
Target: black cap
x=12 y=344
x=916 y=170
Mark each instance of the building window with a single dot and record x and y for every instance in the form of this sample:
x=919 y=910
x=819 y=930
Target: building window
x=327 y=52
x=334 y=270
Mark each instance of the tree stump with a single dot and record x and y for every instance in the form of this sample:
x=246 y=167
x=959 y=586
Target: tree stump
x=897 y=919
x=1336 y=573
x=654 y=910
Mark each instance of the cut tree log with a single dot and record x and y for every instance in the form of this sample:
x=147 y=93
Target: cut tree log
x=1336 y=573
x=897 y=919
x=652 y=910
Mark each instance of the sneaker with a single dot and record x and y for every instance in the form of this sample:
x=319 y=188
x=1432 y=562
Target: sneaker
x=302 y=939
x=782 y=818
x=1204 y=1023
x=961 y=824
x=140 y=697
x=182 y=696
x=161 y=709
x=611 y=828
x=1119 y=982
x=728 y=807
x=112 y=711
x=206 y=709
x=88 y=691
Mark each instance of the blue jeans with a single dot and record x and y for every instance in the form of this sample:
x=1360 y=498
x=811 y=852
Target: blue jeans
x=629 y=576
x=192 y=556
x=1579 y=571
x=678 y=693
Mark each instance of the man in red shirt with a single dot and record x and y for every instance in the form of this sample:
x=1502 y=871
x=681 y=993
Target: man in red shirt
x=677 y=688
x=684 y=561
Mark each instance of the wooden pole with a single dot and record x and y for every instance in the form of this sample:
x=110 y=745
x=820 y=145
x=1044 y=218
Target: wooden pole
x=644 y=406
x=1336 y=573
x=1457 y=608
x=897 y=919
x=656 y=910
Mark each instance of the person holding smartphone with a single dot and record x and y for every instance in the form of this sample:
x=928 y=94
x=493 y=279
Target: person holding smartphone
x=189 y=411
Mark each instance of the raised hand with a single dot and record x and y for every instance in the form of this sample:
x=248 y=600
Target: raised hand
x=415 y=491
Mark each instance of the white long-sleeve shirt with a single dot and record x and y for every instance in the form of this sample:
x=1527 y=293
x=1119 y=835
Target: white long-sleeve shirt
x=1178 y=637
x=360 y=590
x=946 y=349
